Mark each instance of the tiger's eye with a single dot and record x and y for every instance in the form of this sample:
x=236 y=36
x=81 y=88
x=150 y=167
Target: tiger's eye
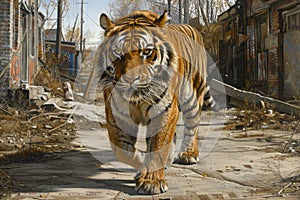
x=117 y=52
x=147 y=52
x=110 y=69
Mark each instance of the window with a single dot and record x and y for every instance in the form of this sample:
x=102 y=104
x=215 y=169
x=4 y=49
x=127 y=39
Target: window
x=261 y=31
x=292 y=19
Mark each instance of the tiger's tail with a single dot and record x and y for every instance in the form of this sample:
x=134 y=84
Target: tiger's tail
x=209 y=102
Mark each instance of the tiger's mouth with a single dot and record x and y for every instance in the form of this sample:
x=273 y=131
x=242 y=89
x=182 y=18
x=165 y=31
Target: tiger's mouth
x=148 y=92
x=132 y=93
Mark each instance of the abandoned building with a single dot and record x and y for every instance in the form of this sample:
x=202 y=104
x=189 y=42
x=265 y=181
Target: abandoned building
x=70 y=55
x=24 y=51
x=260 y=47
x=21 y=43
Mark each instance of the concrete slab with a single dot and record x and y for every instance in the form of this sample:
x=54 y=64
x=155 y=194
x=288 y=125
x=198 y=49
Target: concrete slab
x=53 y=104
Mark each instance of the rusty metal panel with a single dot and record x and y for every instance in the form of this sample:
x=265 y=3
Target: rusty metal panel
x=292 y=64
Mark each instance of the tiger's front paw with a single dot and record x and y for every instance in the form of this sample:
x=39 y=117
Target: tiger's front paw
x=188 y=158
x=150 y=183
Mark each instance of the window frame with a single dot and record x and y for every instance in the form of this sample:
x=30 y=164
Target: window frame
x=261 y=58
x=288 y=18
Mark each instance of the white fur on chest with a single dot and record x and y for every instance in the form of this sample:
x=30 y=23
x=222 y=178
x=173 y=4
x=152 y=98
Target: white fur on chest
x=141 y=143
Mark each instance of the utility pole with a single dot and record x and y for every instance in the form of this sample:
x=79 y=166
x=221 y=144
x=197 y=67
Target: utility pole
x=29 y=45
x=36 y=34
x=186 y=11
x=74 y=28
x=81 y=29
x=58 y=31
x=180 y=11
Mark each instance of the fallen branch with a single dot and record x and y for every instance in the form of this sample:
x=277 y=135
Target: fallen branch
x=41 y=115
x=284 y=188
x=9 y=117
x=1 y=108
x=65 y=121
x=253 y=98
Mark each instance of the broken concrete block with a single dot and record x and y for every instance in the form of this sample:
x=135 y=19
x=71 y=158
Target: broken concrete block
x=53 y=104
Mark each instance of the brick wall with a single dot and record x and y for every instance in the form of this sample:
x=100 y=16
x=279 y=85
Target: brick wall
x=273 y=54
x=5 y=40
x=274 y=84
x=272 y=87
x=274 y=19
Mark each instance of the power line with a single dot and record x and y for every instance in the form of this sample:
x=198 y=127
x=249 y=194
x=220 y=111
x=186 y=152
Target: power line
x=96 y=23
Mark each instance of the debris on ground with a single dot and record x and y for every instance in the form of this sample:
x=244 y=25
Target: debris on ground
x=36 y=135
x=29 y=132
x=246 y=123
x=240 y=119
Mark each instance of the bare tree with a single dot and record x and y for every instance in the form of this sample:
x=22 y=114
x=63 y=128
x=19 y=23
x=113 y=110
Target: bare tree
x=50 y=10
x=119 y=8
x=210 y=9
x=203 y=12
x=72 y=35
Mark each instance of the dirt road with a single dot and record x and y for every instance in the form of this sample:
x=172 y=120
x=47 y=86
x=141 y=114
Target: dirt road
x=235 y=164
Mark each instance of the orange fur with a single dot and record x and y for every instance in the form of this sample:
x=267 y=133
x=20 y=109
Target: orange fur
x=151 y=69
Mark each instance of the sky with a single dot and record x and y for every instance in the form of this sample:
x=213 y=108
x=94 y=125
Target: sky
x=92 y=10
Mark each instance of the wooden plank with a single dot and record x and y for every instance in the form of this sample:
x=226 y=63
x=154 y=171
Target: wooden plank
x=254 y=98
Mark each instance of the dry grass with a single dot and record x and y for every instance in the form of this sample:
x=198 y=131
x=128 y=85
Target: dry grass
x=259 y=119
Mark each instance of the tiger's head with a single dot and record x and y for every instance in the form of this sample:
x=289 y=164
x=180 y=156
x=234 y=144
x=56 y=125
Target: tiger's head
x=137 y=59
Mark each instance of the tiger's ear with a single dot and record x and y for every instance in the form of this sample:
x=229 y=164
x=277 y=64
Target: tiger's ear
x=162 y=20
x=105 y=22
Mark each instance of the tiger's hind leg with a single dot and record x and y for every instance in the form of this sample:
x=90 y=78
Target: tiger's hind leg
x=191 y=113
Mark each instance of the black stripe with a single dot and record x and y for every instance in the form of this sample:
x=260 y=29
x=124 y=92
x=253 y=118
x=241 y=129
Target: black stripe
x=207 y=97
x=198 y=113
x=200 y=89
x=184 y=112
x=161 y=96
x=162 y=56
x=191 y=127
x=164 y=111
x=189 y=99
x=196 y=80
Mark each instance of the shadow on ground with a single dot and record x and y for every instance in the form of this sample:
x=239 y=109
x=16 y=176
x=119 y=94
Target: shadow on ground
x=61 y=172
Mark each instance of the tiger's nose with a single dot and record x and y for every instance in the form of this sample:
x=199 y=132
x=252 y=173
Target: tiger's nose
x=137 y=82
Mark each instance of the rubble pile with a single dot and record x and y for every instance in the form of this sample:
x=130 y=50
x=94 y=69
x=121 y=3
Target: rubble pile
x=26 y=136
x=260 y=119
x=261 y=124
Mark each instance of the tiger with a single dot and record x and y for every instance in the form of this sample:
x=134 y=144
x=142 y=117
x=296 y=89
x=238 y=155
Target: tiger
x=150 y=71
